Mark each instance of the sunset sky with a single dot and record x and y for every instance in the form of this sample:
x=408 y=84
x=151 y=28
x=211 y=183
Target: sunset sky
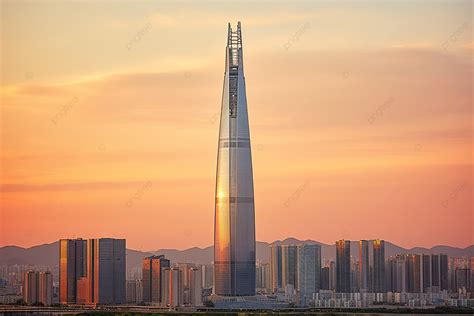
x=361 y=120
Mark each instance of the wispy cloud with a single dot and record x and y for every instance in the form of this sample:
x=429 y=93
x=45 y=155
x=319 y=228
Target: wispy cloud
x=79 y=186
x=420 y=45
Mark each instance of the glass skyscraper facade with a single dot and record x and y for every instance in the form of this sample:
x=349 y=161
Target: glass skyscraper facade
x=152 y=278
x=379 y=266
x=343 y=266
x=234 y=227
x=309 y=271
x=364 y=265
x=289 y=265
x=92 y=271
x=73 y=266
x=276 y=267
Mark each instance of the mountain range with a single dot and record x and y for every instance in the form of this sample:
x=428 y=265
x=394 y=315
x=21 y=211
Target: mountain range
x=48 y=254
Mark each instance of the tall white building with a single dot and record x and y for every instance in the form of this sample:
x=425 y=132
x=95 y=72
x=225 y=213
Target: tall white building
x=176 y=287
x=195 y=287
x=46 y=288
x=38 y=288
x=173 y=287
x=207 y=276
x=134 y=291
x=263 y=276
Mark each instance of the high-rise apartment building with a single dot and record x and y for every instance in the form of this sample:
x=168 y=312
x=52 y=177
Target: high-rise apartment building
x=263 y=276
x=343 y=266
x=462 y=279
x=276 y=267
x=173 y=287
x=325 y=278
x=390 y=274
x=186 y=271
x=134 y=291
x=38 y=288
x=308 y=271
x=195 y=287
x=30 y=287
x=435 y=273
x=379 y=266
x=46 y=288
x=207 y=276
x=443 y=267
x=414 y=273
x=401 y=276
x=152 y=278
x=355 y=284
x=364 y=265
x=289 y=266
x=332 y=276
x=472 y=274
x=426 y=273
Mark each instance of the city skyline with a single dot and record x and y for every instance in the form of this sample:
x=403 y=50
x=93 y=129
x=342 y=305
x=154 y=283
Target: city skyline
x=361 y=130
x=294 y=274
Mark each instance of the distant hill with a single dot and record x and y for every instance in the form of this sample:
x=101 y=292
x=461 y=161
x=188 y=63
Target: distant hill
x=48 y=254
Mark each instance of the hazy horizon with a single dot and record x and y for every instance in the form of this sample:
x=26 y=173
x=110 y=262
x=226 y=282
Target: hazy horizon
x=262 y=241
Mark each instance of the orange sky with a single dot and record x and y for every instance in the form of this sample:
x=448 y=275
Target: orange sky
x=360 y=117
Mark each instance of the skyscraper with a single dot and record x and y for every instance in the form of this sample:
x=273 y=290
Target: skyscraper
x=104 y=280
x=152 y=278
x=234 y=226
x=46 y=288
x=379 y=266
x=390 y=274
x=308 y=271
x=443 y=271
x=355 y=284
x=134 y=291
x=289 y=266
x=414 y=273
x=364 y=265
x=106 y=270
x=165 y=286
x=343 y=266
x=263 y=276
x=472 y=274
x=462 y=279
x=207 y=276
x=435 y=273
x=426 y=264
x=38 y=287
x=173 y=287
x=30 y=287
x=195 y=287
x=401 y=273
x=332 y=275
x=72 y=266
x=276 y=267
x=325 y=278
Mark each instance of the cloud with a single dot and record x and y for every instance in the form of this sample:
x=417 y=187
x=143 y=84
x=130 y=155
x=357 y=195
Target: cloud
x=64 y=186
x=420 y=45
x=469 y=46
